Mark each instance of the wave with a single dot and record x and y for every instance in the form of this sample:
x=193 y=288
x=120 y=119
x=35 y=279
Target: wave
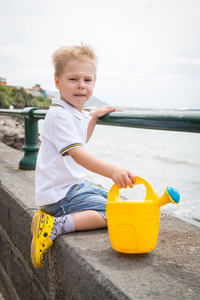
x=177 y=161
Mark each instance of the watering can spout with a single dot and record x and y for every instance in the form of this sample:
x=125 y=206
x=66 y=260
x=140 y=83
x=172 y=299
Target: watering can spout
x=171 y=195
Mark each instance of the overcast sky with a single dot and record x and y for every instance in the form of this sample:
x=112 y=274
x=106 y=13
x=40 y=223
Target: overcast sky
x=148 y=50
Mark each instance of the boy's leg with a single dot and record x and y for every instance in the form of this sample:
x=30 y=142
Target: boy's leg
x=88 y=220
x=84 y=220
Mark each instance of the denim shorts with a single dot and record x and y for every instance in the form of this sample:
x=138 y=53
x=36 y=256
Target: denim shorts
x=80 y=197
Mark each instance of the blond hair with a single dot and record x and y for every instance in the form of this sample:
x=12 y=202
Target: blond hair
x=65 y=54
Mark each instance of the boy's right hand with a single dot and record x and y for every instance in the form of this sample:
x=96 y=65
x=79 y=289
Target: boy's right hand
x=123 y=177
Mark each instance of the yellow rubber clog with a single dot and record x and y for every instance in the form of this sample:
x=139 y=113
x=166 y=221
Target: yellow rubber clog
x=41 y=228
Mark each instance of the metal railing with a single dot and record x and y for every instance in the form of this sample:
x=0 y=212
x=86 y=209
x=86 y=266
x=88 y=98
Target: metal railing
x=185 y=122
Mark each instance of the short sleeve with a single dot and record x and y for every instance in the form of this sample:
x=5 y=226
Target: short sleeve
x=67 y=132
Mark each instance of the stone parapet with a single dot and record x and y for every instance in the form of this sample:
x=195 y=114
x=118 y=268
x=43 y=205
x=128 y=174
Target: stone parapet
x=83 y=265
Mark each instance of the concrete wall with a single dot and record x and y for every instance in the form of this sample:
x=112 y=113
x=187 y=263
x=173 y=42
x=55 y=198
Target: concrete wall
x=83 y=265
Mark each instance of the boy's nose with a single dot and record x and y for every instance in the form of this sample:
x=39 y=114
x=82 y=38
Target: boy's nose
x=81 y=84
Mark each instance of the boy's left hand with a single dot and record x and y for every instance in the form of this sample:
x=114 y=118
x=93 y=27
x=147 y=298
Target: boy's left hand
x=102 y=111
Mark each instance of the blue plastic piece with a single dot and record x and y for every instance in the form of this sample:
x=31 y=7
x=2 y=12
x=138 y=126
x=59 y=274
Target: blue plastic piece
x=174 y=194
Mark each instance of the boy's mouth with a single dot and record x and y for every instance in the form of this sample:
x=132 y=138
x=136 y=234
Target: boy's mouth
x=79 y=95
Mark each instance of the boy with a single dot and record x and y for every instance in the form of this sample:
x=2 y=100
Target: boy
x=68 y=203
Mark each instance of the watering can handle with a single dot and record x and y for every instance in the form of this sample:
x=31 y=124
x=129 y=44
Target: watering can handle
x=151 y=193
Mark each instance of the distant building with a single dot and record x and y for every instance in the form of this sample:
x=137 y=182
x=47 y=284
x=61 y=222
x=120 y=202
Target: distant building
x=38 y=88
x=36 y=91
x=3 y=81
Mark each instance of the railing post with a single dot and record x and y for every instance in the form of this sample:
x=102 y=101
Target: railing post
x=30 y=147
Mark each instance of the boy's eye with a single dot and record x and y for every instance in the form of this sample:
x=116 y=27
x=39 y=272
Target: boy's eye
x=88 y=79
x=73 y=79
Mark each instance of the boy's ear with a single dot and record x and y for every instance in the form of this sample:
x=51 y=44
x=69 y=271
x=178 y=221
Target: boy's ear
x=56 y=79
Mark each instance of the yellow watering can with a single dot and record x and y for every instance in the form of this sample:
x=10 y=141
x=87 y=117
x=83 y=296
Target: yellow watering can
x=133 y=226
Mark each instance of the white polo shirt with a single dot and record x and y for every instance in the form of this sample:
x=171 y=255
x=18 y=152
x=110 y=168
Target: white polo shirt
x=64 y=128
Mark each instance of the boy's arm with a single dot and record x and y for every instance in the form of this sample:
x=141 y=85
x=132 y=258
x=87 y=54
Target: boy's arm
x=95 y=115
x=87 y=160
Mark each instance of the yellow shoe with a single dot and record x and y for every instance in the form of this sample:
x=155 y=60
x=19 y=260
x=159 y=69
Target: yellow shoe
x=41 y=228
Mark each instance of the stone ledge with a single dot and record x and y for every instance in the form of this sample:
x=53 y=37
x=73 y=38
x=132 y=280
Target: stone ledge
x=83 y=265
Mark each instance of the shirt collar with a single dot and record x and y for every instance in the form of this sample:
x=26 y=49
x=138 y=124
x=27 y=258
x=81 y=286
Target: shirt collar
x=71 y=109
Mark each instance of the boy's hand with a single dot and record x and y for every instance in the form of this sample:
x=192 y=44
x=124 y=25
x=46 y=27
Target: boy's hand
x=123 y=177
x=102 y=111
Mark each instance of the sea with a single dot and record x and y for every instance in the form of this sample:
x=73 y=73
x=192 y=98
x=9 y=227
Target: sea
x=161 y=157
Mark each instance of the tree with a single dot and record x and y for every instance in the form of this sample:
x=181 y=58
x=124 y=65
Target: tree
x=5 y=101
x=5 y=90
x=18 y=100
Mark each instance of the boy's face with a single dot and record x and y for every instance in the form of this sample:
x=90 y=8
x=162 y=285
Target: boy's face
x=76 y=83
